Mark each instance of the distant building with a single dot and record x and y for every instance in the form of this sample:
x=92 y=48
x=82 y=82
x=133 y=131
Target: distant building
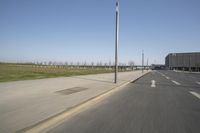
x=157 y=67
x=183 y=61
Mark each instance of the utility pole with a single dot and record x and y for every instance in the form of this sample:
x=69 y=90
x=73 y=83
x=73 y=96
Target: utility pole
x=189 y=63
x=116 y=40
x=142 y=61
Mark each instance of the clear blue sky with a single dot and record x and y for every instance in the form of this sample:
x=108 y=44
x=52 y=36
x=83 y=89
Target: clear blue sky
x=83 y=30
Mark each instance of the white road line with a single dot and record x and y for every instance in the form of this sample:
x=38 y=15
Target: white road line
x=162 y=74
x=177 y=83
x=195 y=94
x=198 y=83
x=153 y=83
x=166 y=77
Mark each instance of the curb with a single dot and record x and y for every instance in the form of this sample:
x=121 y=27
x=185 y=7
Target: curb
x=55 y=120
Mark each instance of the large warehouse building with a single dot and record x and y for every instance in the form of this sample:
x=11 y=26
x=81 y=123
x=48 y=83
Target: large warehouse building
x=183 y=61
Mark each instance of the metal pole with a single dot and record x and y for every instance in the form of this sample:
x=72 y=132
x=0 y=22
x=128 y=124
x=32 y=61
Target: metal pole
x=189 y=63
x=142 y=61
x=116 y=40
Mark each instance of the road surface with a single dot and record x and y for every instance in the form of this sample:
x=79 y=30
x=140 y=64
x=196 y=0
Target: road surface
x=160 y=102
x=26 y=103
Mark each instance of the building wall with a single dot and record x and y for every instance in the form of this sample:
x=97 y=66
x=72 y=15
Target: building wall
x=183 y=60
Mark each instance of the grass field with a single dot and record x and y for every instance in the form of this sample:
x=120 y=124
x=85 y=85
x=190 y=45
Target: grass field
x=14 y=72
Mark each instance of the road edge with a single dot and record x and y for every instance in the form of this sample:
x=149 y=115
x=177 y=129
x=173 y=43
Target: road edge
x=53 y=121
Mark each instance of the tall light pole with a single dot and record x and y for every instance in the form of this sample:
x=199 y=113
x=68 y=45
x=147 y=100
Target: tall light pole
x=116 y=40
x=189 y=63
x=142 y=61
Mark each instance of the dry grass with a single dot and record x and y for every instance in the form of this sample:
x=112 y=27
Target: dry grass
x=14 y=72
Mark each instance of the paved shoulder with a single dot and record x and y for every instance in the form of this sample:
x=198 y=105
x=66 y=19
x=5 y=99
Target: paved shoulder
x=23 y=104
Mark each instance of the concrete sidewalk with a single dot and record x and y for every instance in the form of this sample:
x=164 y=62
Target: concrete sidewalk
x=25 y=103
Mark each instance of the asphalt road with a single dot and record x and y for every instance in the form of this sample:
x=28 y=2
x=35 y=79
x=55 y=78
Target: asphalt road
x=160 y=102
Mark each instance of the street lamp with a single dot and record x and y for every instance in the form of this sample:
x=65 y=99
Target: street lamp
x=116 y=40
x=142 y=61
